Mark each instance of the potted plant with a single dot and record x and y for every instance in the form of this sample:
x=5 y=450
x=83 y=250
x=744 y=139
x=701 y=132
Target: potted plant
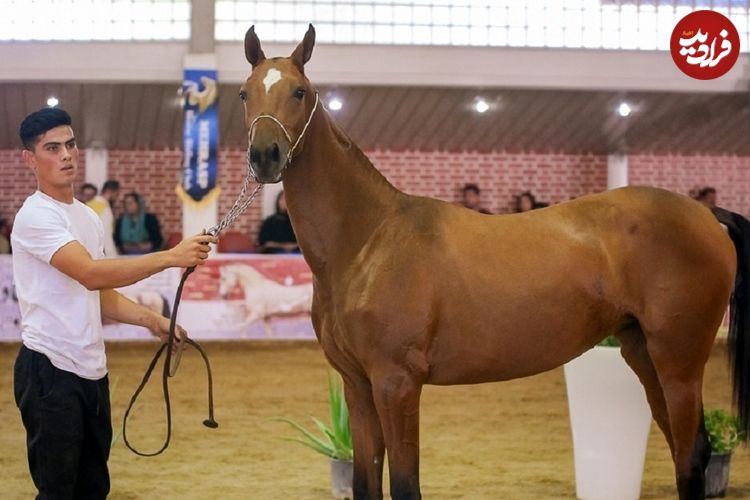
x=610 y=422
x=724 y=434
x=335 y=441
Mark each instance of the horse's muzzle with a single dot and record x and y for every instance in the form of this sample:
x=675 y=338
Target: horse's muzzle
x=266 y=163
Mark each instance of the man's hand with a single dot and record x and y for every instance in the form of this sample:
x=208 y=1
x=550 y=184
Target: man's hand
x=160 y=328
x=117 y=307
x=192 y=251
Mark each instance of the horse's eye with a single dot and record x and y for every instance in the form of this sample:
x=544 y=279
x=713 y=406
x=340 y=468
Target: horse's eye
x=243 y=95
x=299 y=93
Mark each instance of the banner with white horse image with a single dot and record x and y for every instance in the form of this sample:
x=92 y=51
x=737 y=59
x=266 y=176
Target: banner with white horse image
x=232 y=296
x=249 y=296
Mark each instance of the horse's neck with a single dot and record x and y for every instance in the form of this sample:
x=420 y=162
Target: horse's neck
x=336 y=197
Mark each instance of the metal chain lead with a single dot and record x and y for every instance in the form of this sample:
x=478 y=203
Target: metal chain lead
x=239 y=206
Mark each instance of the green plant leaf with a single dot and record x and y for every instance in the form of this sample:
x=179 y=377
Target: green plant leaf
x=343 y=451
x=310 y=439
x=339 y=410
x=320 y=448
x=336 y=441
x=609 y=341
x=724 y=430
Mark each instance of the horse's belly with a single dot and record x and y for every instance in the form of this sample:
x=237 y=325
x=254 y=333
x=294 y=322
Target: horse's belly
x=512 y=351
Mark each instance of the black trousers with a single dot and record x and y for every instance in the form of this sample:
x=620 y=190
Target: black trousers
x=68 y=428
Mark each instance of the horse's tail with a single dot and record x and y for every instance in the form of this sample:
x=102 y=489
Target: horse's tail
x=738 y=343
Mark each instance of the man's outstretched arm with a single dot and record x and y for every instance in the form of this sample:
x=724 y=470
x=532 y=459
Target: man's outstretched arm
x=96 y=274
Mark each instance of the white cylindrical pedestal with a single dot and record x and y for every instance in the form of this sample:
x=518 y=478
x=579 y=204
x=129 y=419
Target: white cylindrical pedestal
x=610 y=420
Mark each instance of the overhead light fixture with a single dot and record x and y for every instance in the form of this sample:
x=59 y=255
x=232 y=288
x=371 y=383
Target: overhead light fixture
x=335 y=104
x=624 y=109
x=52 y=101
x=481 y=106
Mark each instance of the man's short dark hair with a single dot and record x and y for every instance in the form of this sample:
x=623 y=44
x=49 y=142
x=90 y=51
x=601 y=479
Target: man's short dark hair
x=39 y=122
x=471 y=187
x=110 y=185
x=706 y=191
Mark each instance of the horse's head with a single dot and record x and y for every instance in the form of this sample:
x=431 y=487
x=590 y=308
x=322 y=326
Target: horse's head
x=279 y=104
x=227 y=280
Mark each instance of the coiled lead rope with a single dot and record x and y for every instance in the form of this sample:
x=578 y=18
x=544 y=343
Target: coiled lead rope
x=170 y=370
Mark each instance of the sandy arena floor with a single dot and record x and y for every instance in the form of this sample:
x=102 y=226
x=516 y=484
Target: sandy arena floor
x=507 y=440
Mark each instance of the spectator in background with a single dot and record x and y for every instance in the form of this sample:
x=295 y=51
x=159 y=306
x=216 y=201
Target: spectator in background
x=4 y=236
x=136 y=231
x=87 y=192
x=707 y=196
x=276 y=233
x=471 y=198
x=527 y=201
x=104 y=205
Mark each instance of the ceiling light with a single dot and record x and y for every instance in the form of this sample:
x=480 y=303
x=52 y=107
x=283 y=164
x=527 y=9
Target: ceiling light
x=481 y=106
x=52 y=102
x=335 y=104
x=624 y=109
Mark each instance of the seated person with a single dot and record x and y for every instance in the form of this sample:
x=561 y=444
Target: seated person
x=136 y=231
x=707 y=196
x=470 y=198
x=276 y=234
x=527 y=201
x=4 y=236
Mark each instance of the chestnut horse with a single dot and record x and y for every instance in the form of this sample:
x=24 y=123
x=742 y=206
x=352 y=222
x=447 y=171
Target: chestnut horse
x=412 y=291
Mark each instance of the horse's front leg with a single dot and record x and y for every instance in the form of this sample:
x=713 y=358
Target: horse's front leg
x=367 y=437
x=397 y=394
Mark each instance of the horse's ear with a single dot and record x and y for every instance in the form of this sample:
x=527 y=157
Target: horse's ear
x=303 y=52
x=253 y=53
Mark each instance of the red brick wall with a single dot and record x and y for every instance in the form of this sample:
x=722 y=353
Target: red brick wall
x=552 y=178
x=730 y=175
x=501 y=177
x=17 y=181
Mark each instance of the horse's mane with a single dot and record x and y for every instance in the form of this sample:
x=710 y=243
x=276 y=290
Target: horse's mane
x=347 y=144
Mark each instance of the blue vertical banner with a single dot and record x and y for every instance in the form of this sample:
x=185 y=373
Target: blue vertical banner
x=200 y=138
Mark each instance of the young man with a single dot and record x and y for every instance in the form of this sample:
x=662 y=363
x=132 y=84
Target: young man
x=64 y=288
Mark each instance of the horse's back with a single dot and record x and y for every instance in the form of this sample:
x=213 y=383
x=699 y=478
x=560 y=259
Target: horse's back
x=655 y=230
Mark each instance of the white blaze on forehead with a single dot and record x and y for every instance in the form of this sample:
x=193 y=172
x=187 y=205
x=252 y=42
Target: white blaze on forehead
x=273 y=76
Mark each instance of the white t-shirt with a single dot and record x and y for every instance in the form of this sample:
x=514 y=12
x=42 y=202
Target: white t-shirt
x=60 y=318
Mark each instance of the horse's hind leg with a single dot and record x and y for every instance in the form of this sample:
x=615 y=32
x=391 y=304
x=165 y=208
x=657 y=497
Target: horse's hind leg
x=679 y=360
x=634 y=351
x=367 y=437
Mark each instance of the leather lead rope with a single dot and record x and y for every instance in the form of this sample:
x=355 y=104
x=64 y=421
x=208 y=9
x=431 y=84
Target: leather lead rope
x=170 y=372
